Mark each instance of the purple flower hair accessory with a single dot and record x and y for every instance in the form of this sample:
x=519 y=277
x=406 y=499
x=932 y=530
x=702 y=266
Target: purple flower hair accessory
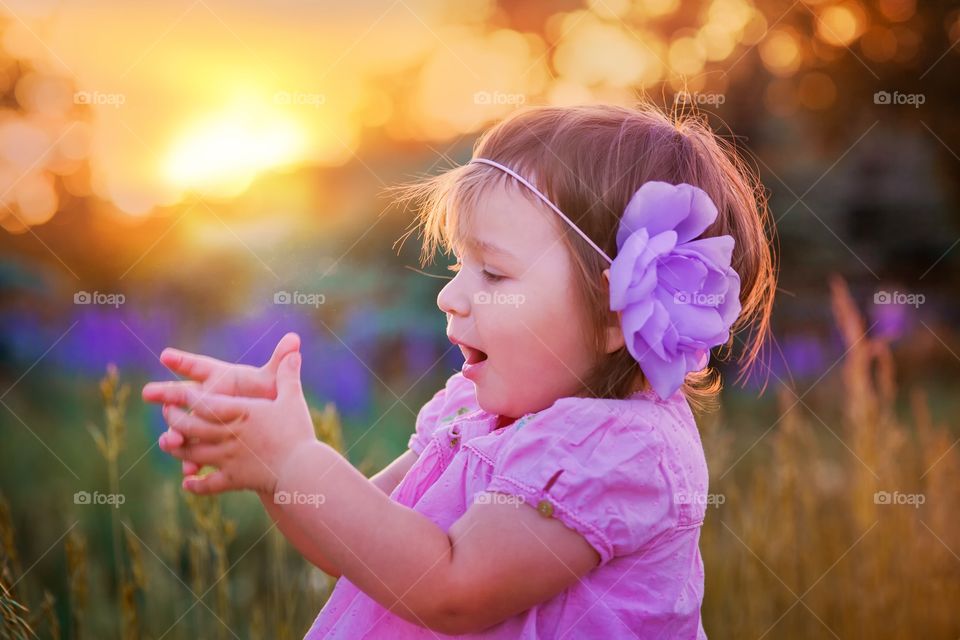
x=678 y=297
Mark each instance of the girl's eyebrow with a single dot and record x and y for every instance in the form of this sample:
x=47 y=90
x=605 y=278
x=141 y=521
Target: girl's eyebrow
x=488 y=247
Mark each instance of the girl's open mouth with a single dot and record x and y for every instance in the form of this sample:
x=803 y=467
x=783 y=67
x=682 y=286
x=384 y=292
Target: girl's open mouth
x=474 y=360
x=472 y=356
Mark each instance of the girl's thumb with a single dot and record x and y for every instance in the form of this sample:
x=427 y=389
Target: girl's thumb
x=292 y=362
x=288 y=378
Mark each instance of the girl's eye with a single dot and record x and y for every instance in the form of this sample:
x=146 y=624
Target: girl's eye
x=490 y=277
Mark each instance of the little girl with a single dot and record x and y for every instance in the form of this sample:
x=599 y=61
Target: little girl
x=556 y=486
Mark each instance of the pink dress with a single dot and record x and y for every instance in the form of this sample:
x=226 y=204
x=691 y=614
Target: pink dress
x=629 y=475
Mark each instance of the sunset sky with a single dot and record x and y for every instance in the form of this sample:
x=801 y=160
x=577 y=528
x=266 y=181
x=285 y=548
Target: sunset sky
x=208 y=94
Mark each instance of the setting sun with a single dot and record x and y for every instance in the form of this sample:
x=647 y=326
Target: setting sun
x=222 y=155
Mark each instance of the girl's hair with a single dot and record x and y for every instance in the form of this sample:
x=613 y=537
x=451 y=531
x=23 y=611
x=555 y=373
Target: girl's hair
x=589 y=160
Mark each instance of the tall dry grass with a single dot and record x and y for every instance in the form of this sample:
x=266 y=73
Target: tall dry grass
x=173 y=577
x=803 y=546
x=842 y=521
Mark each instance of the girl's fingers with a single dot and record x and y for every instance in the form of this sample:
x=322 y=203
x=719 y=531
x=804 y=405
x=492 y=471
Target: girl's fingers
x=288 y=344
x=222 y=377
x=216 y=375
x=201 y=454
x=192 y=427
x=162 y=392
x=189 y=468
x=170 y=439
x=192 y=365
x=230 y=378
x=216 y=482
x=212 y=407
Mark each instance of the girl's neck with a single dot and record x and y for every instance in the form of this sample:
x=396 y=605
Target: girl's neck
x=504 y=421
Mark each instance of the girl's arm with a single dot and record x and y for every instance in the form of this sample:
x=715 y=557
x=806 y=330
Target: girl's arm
x=385 y=480
x=496 y=561
x=297 y=537
x=390 y=476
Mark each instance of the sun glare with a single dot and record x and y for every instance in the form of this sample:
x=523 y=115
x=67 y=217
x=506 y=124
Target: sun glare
x=221 y=156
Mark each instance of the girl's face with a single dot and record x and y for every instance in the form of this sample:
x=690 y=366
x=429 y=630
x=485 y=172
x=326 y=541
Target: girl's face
x=512 y=300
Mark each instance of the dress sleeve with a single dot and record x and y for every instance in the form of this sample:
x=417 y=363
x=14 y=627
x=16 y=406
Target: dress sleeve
x=600 y=474
x=457 y=396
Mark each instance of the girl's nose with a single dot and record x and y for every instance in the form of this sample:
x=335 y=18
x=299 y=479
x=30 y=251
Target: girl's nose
x=453 y=300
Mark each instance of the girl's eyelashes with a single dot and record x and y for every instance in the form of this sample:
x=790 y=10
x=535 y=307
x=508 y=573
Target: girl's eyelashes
x=489 y=277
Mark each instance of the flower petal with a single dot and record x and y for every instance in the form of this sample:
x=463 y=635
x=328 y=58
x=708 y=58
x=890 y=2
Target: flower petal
x=717 y=250
x=624 y=271
x=665 y=376
x=656 y=331
x=660 y=206
x=701 y=214
x=681 y=273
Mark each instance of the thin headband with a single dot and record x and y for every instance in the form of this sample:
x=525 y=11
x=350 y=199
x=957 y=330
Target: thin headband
x=546 y=201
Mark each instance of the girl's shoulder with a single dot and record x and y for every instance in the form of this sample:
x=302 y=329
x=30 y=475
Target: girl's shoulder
x=617 y=471
x=589 y=426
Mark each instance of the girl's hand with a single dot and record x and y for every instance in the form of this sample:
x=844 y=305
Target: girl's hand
x=215 y=376
x=249 y=440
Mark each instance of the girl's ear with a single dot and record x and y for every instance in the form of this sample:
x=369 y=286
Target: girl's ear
x=615 y=339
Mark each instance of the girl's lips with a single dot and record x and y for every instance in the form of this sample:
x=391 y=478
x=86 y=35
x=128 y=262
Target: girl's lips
x=471 y=371
x=473 y=359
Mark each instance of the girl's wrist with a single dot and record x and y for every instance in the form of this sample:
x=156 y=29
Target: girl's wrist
x=308 y=457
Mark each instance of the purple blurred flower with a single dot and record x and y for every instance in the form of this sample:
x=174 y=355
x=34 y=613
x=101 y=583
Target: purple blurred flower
x=678 y=296
x=893 y=321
